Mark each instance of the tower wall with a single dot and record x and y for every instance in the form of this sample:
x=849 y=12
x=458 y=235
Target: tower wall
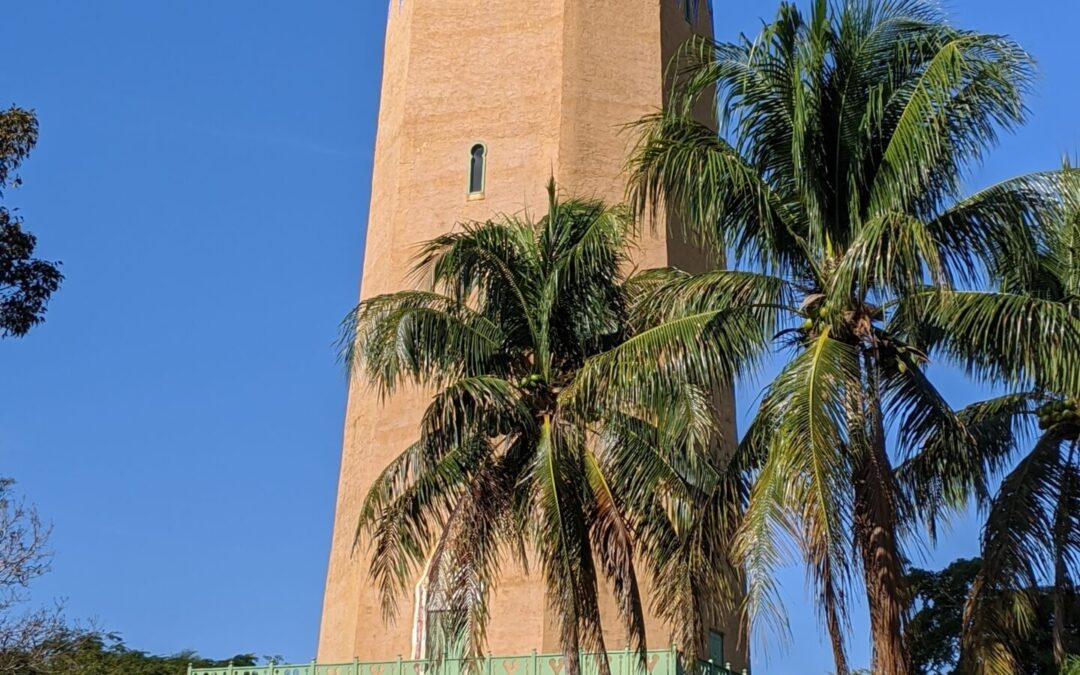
x=548 y=87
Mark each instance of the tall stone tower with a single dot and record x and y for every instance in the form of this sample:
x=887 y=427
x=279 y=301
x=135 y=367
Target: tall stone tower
x=482 y=101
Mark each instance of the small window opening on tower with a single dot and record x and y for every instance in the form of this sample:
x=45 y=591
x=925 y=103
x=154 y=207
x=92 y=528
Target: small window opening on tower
x=690 y=10
x=477 y=169
x=716 y=648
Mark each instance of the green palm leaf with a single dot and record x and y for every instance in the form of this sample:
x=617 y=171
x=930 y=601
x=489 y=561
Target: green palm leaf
x=955 y=461
x=1024 y=339
x=419 y=337
x=1017 y=550
x=800 y=493
x=552 y=434
x=835 y=183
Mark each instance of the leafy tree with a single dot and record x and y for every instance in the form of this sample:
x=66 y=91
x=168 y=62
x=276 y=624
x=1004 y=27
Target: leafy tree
x=26 y=283
x=527 y=449
x=108 y=655
x=935 y=629
x=27 y=637
x=43 y=642
x=835 y=186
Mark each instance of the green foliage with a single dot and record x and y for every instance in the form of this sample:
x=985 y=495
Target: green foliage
x=1025 y=331
x=554 y=435
x=108 y=655
x=44 y=642
x=836 y=184
x=18 y=136
x=26 y=283
x=936 y=627
x=1024 y=334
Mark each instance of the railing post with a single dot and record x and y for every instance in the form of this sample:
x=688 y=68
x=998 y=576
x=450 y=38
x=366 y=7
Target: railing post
x=490 y=661
x=356 y=665
x=536 y=663
x=270 y=667
x=400 y=666
x=314 y=666
x=190 y=667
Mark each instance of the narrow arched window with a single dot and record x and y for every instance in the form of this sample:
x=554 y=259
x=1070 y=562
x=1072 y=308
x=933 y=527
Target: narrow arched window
x=477 y=169
x=690 y=10
x=433 y=637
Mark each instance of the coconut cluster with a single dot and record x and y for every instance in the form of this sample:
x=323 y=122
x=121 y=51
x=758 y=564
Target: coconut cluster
x=1059 y=412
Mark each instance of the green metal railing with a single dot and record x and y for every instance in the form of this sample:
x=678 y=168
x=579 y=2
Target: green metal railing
x=657 y=662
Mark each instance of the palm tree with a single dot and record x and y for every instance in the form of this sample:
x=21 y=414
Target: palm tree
x=1026 y=334
x=835 y=188
x=523 y=453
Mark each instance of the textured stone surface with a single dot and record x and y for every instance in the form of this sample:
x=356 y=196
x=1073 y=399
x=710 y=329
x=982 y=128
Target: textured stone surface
x=547 y=86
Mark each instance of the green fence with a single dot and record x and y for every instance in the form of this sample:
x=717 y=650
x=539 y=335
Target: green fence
x=657 y=662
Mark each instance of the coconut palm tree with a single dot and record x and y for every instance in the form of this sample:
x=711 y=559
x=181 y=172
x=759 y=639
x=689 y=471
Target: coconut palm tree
x=835 y=187
x=525 y=454
x=1025 y=334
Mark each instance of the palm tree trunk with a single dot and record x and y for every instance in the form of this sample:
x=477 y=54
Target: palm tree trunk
x=1062 y=533
x=836 y=634
x=884 y=575
x=854 y=405
x=876 y=535
x=832 y=607
x=1060 y=585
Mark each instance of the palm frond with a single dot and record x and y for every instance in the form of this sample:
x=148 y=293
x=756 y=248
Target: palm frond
x=800 y=493
x=682 y=164
x=495 y=264
x=464 y=567
x=999 y=224
x=663 y=294
x=616 y=550
x=955 y=459
x=1017 y=553
x=1066 y=549
x=893 y=254
x=966 y=88
x=419 y=337
x=405 y=517
x=482 y=405
x=563 y=544
x=1021 y=339
x=706 y=349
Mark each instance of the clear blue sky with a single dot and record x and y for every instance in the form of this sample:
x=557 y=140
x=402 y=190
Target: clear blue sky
x=203 y=173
